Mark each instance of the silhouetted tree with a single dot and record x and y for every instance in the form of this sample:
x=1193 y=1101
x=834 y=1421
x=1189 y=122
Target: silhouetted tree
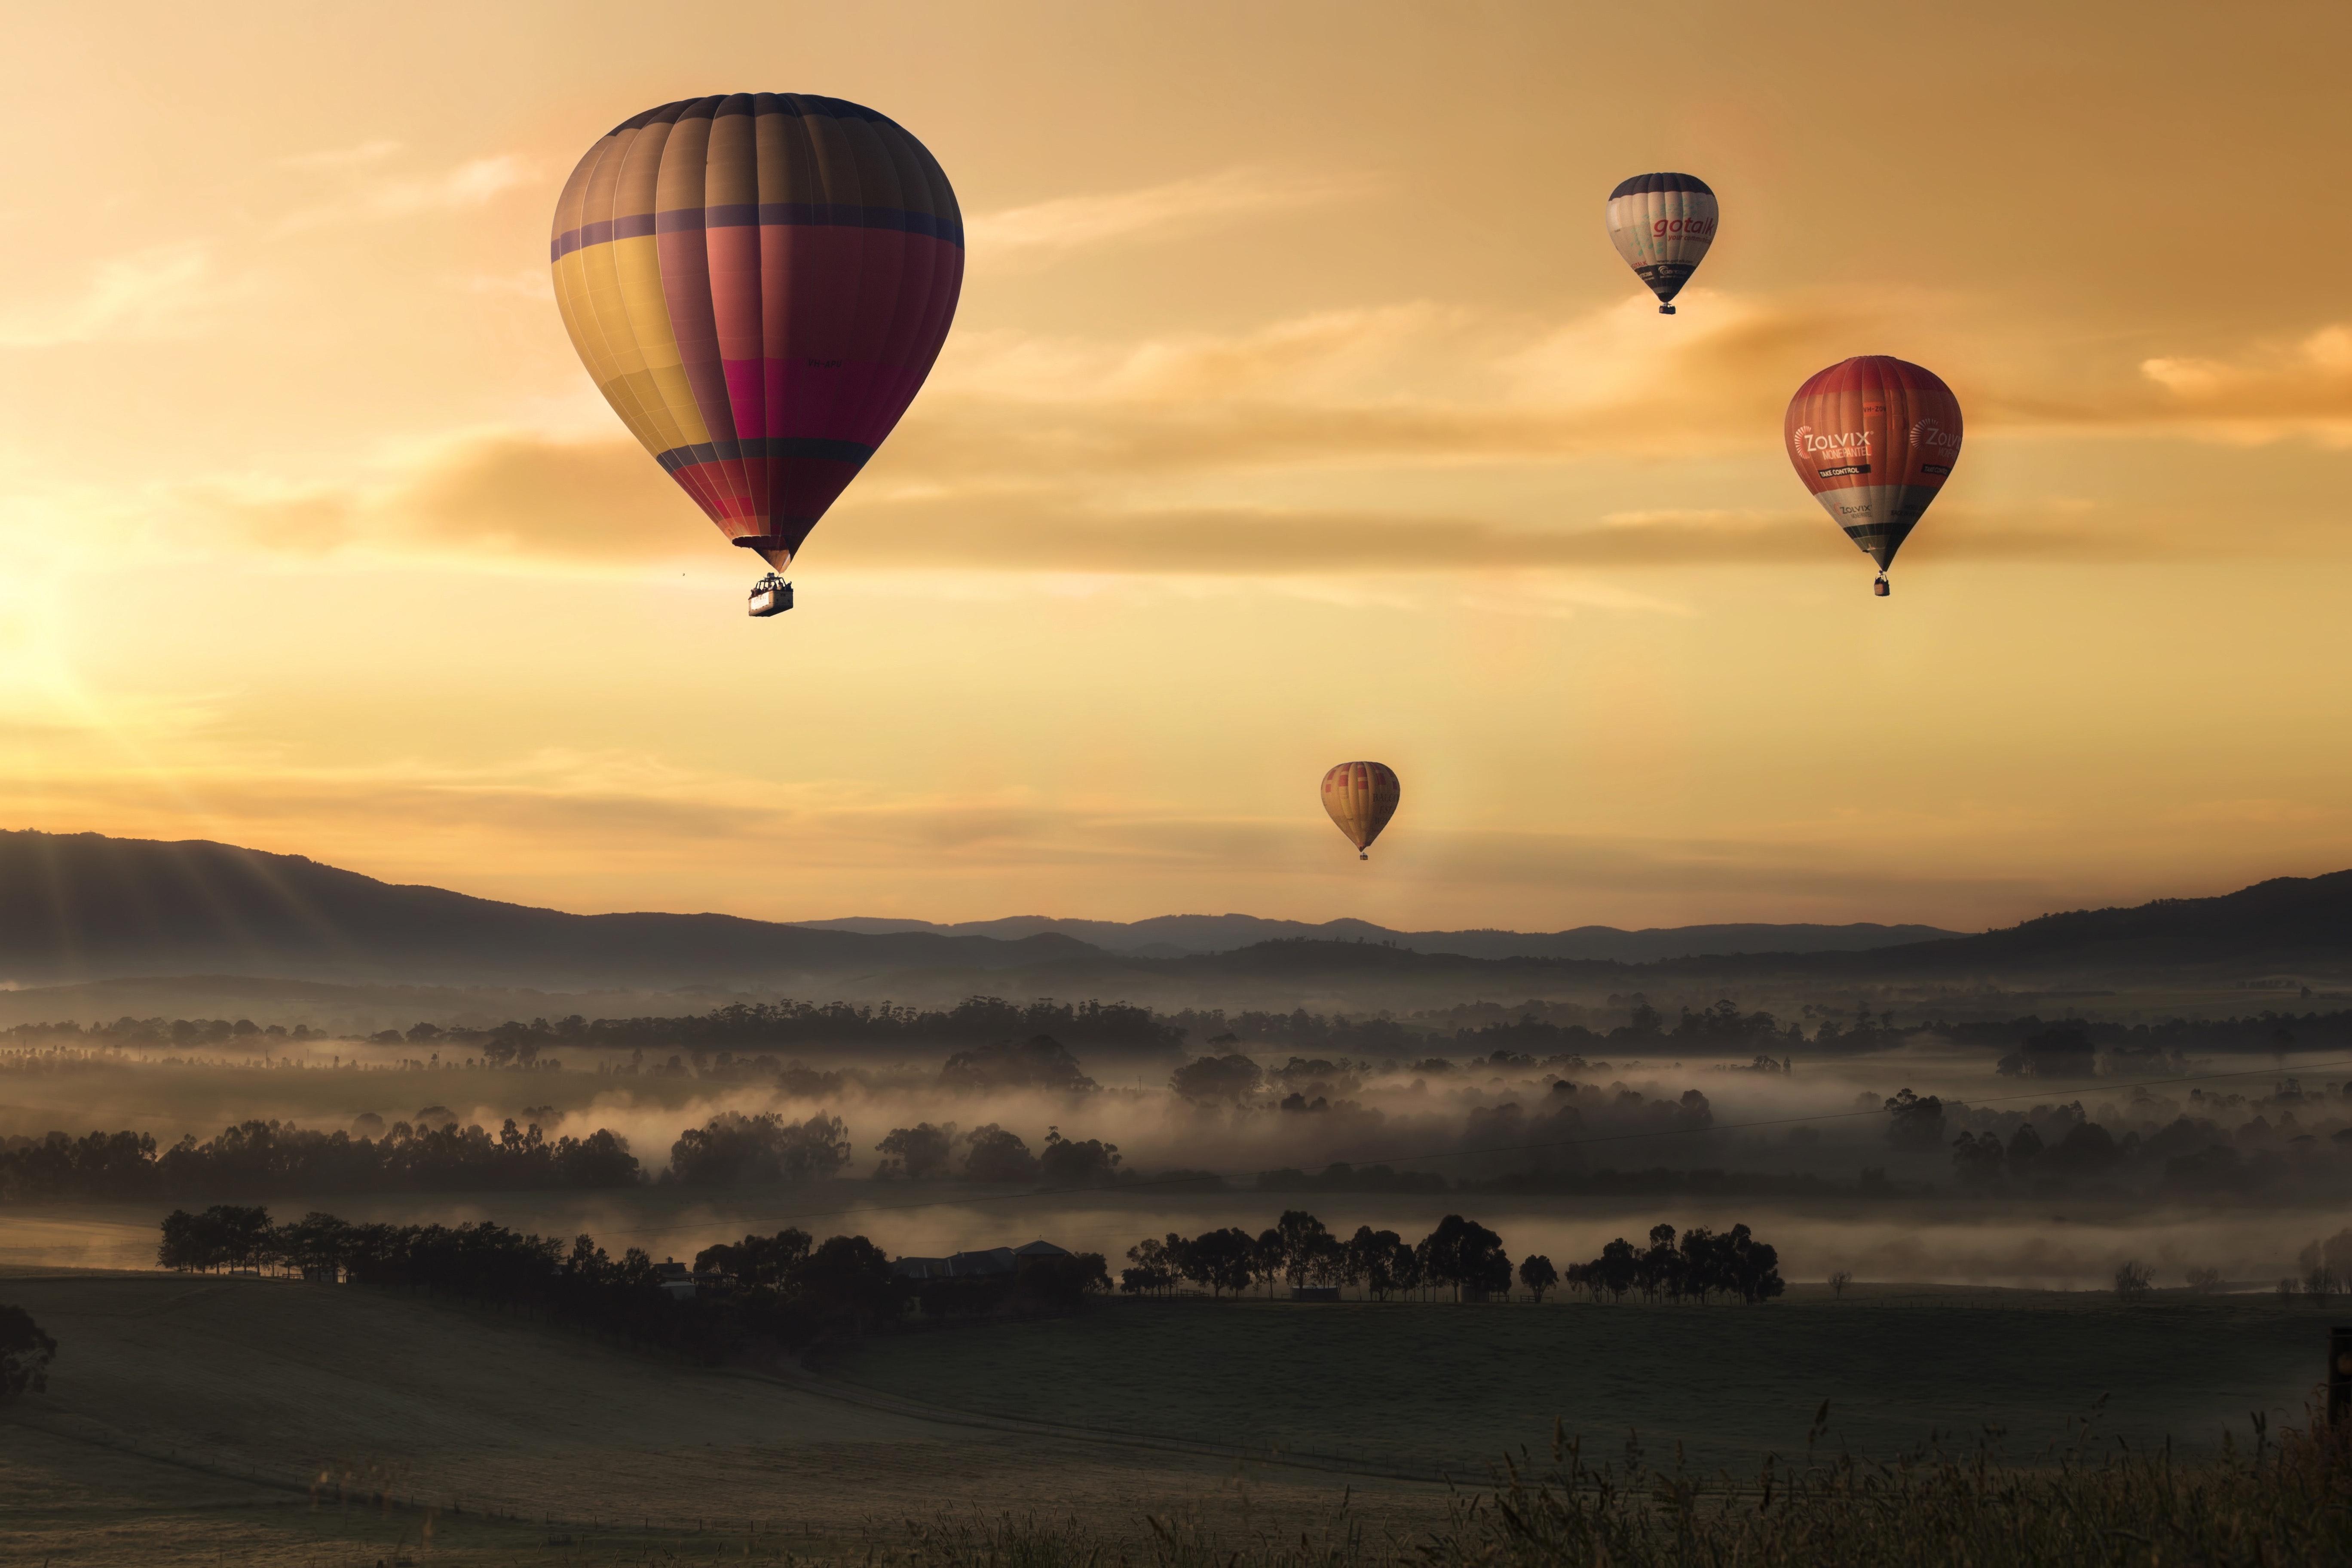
x=735 y=1150
x=25 y=1354
x=1068 y=1163
x=1464 y=1254
x=1537 y=1274
x=1915 y=1121
x=995 y=1155
x=768 y=1260
x=1210 y=1080
x=919 y=1153
x=1977 y=1159
x=1040 y=1061
x=1224 y=1260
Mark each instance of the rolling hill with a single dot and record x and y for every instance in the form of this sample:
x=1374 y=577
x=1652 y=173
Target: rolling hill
x=81 y=908
x=1182 y=936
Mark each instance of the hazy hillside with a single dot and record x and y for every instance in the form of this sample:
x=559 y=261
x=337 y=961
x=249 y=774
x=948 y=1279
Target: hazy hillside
x=84 y=907
x=1182 y=936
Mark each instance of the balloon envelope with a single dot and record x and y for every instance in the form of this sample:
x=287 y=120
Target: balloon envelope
x=759 y=284
x=1661 y=225
x=1361 y=797
x=1875 y=438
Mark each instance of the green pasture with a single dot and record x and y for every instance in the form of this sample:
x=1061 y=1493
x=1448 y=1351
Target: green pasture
x=1437 y=1387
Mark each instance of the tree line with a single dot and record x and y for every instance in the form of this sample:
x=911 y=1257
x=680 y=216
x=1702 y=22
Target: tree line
x=1460 y=1257
x=264 y=1158
x=763 y=1294
x=1723 y=1026
x=788 y=1295
x=1701 y=1264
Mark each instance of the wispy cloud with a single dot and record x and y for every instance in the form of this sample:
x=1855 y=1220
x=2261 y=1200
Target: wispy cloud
x=342 y=157
x=1044 y=231
x=163 y=291
x=2305 y=385
x=472 y=184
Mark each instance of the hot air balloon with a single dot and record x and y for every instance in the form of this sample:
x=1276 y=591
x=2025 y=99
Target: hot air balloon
x=759 y=284
x=1361 y=797
x=1661 y=225
x=1875 y=438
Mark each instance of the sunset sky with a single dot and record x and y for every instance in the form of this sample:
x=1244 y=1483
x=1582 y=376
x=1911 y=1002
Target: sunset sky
x=1298 y=410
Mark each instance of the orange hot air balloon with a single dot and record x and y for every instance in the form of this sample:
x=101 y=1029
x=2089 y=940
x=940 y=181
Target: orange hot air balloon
x=1875 y=438
x=759 y=284
x=1361 y=797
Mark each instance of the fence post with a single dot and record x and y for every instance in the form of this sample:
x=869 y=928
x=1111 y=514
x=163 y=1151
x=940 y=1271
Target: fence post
x=2339 y=1374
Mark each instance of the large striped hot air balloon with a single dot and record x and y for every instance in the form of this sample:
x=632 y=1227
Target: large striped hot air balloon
x=1874 y=437
x=759 y=284
x=1661 y=225
x=1361 y=797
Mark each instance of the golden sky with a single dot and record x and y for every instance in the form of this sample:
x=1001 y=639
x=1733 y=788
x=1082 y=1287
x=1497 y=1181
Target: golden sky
x=1298 y=410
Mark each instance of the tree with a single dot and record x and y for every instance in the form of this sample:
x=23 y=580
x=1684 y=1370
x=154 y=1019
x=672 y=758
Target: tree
x=1660 y=1271
x=1539 y=1276
x=1380 y=1261
x=1269 y=1257
x=1153 y=1273
x=1976 y=1160
x=848 y=1279
x=1614 y=1269
x=2205 y=1281
x=1066 y=1163
x=25 y=1354
x=1915 y=1121
x=2327 y=1266
x=1308 y=1250
x=2132 y=1280
x=734 y=1149
x=1839 y=1281
x=993 y=1154
x=768 y=1260
x=1212 y=1080
x=1462 y=1253
x=920 y=1154
x=1222 y=1259
x=1754 y=1267
x=1040 y=1061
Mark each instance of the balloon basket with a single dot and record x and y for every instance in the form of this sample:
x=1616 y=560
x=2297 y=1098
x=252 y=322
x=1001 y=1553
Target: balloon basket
x=1665 y=309
x=771 y=596
x=1880 y=588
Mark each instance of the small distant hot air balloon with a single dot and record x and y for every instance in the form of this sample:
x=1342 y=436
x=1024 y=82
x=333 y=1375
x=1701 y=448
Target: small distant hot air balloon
x=759 y=284
x=1875 y=438
x=1361 y=797
x=1661 y=225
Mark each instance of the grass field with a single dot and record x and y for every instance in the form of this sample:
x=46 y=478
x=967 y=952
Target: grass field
x=207 y=1420
x=1434 y=1388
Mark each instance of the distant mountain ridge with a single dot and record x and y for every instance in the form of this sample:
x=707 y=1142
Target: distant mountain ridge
x=82 y=906
x=1185 y=936
x=77 y=907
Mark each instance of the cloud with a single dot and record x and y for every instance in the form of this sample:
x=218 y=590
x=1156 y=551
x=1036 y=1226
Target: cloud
x=501 y=495
x=1046 y=231
x=472 y=184
x=163 y=291
x=2303 y=385
x=1162 y=456
x=342 y=157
